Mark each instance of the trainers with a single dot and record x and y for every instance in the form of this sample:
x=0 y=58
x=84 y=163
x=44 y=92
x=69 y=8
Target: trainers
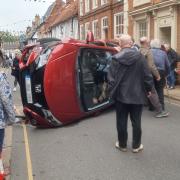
x=120 y=148
x=14 y=89
x=140 y=148
x=162 y=114
x=172 y=87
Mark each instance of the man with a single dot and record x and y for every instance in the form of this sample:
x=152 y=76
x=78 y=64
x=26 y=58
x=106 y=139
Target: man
x=172 y=57
x=162 y=63
x=128 y=77
x=153 y=99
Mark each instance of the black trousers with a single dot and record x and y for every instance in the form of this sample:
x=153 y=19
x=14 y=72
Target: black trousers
x=122 y=112
x=159 y=86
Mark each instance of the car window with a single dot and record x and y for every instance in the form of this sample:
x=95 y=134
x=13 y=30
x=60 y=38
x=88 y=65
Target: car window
x=43 y=58
x=110 y=44
x=94 y=65
x=98 y=43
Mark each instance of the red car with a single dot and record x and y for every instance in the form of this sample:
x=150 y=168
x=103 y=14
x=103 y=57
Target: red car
x=62 y=82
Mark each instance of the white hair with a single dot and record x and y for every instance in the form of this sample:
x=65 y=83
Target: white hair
x=17 y=52
x=143 y=39
x=155 y=43
x=167 y=46
x=125 y=40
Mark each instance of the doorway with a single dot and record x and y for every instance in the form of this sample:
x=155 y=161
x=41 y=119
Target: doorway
x=165 y=34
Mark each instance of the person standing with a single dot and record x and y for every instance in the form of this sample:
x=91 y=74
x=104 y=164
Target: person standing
x=15 y=67
x=129 y=80
x=7 y=112
x=162 y=63
x=1 y=57
x=172 y=56
x=154 y=102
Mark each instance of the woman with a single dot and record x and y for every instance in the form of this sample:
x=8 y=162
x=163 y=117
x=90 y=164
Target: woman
x=15 y=67
x=7 y=113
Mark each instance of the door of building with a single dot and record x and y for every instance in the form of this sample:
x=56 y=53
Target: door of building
x=165 y=34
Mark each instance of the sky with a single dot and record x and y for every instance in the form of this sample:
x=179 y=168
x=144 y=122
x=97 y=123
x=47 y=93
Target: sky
x=16 y=15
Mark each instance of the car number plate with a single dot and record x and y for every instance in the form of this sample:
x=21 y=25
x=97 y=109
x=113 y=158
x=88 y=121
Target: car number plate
x=28 y=89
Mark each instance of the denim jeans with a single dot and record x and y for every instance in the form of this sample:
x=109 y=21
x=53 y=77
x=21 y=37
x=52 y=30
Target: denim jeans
x=122 y=112
x=171 y=79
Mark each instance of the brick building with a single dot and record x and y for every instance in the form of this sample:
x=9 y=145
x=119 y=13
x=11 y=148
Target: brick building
x=66 y=25
x=105 y=18
x=53 y=12
x=155 y=19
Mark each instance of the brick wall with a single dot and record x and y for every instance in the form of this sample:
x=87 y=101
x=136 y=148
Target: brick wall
x=98 y=17
x=100 y=12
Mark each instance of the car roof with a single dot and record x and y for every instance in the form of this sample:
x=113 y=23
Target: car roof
x=80 y=43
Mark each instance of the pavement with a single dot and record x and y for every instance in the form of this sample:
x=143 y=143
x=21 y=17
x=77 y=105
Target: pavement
x=173 y=93
x=7 y=148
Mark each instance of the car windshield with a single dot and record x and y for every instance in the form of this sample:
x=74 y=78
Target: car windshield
x=43 y=58
x=110 y=44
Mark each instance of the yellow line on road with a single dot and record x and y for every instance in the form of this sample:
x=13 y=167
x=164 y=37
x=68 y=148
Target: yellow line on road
x=27 y=148
x=28 y=155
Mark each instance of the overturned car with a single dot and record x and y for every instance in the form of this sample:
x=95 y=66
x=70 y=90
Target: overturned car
x=63 y=81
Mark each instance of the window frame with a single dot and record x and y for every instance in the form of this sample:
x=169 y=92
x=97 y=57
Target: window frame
x=121 y=25
x=102 y=2
x=94 y=4
x=96 y=35
x=104 y=27
x=87 y=6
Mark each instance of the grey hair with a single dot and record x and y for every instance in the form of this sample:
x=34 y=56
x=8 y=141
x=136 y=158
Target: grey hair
x=125 y=40
x=155 y=43
x=167 y=46
x=143 y=39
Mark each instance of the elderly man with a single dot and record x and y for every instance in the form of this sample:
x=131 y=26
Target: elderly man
x=153 y=99
x=162 y=63
x=129 y=80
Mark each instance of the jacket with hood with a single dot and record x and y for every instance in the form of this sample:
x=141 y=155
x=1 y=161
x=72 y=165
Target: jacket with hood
x=129 y=77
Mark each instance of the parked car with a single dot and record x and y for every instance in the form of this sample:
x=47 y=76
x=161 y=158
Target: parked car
x=62 y=82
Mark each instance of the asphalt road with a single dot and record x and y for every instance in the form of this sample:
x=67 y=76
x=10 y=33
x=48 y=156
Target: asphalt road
x=86 y=151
